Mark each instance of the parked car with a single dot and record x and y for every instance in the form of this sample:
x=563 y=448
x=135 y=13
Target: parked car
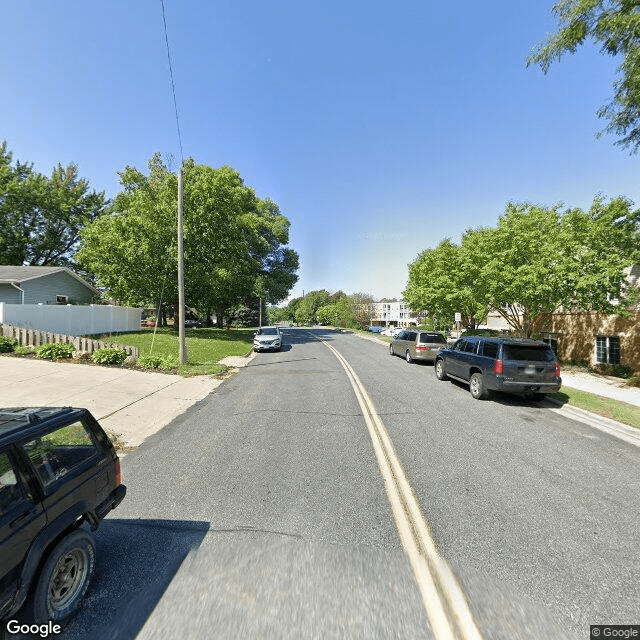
x=515 y=365
x=387 y=332
x=267 y=338
x=58 y=470
x=193 y=323
x=374 y=328
x=415 y=344
x=395 y=331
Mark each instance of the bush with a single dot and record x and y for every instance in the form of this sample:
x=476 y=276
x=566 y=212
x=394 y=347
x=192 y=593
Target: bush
x=169 y=362
x=7 y=345
x=23 y=351
x=109 y=355
x=55 y=350
x=616 y=370
x=166 y=363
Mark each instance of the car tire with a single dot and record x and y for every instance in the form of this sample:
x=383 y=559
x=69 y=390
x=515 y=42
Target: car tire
x=63 y=581
x=391 y=350
x=439 y=369
x=407 y=356
x=477 y=388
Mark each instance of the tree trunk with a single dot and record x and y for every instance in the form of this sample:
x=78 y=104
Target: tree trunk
x=207 y=321
x=219 y=314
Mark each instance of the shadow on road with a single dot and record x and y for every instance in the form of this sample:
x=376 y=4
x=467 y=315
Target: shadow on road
x=135 y=562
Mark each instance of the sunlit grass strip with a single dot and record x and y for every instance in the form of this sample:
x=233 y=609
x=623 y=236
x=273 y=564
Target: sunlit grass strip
x=607 y=407
x=205 y=347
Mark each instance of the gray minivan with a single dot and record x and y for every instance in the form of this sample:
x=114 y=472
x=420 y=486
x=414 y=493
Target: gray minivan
x=417 y=344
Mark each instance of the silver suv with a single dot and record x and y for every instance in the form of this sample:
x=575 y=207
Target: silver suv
x=416 y=344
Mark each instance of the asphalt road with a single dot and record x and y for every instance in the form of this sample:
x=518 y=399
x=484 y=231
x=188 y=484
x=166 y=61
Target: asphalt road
x=261 y=512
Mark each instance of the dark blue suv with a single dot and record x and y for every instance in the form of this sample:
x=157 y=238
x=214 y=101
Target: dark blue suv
x=515 y=365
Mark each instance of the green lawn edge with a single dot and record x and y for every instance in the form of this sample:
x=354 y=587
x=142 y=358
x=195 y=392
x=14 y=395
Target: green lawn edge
x=628 y=414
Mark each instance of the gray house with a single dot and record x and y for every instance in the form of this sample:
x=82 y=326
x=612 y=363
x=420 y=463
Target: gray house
x=46 y=285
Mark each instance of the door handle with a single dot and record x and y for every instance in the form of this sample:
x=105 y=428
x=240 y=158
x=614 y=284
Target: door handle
x=23 y=518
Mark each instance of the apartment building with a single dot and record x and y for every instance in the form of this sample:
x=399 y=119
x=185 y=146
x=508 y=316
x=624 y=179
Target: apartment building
x=392 y=312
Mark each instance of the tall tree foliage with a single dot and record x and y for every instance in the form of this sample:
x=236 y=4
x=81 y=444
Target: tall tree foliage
x=444 y=281
x=41 y=217
x=615 y=26
x=234 y=243
x=538 y=260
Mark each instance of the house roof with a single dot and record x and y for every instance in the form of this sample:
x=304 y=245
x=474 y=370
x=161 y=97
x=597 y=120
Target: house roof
x=17 y=274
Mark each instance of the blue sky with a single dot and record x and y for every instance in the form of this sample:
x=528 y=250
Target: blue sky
x=379 y=128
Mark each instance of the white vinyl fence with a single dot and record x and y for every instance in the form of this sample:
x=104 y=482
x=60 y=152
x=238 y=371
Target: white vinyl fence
x=71 y=320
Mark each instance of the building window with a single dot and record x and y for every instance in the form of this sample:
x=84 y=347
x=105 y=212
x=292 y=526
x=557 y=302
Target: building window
x=608 y=350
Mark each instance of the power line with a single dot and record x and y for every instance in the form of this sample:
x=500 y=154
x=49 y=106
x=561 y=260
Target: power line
x=173 y=86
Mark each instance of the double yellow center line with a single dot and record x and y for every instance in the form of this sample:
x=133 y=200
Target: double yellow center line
x=444 y=601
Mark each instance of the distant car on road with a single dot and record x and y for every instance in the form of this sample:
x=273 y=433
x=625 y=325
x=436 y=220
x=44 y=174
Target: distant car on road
x=415 y=344
x=515 y=365
x=267 y=338
x=375 y=328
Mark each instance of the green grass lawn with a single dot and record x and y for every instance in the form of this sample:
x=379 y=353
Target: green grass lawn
x=607 y=407
x=204 y=346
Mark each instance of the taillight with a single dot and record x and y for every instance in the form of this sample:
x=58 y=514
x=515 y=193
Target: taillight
x=118 y=474
x=557 y=370
x=498 y=367
x=418 y=348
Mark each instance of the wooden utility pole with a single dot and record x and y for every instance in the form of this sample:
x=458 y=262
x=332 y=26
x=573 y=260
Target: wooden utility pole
x=181 y=301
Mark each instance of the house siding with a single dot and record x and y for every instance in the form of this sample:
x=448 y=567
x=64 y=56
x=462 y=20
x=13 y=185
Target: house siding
x=10 y=294
x=45 y=289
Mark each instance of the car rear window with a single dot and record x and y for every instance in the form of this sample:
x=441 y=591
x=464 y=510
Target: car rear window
x=490 y=349
x=432 y=338
x=531 y=353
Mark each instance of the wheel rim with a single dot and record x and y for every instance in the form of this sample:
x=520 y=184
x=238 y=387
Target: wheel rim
x=408 y=357
x=475 y=385
x=391 y=349
x=439 y=368
x=67 y=579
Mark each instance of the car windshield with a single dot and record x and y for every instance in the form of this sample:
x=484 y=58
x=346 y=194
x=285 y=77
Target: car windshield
x=529 y=352
x=268 y=332
x=432 y=338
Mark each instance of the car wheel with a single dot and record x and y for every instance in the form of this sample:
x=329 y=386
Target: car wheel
x=477 y=388
x=64 y=578
x=391 y=350
x=439 y=367
x=408 y=356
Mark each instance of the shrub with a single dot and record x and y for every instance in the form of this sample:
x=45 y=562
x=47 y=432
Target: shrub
x=616 y=370
x=166 y=363
x=7 y=345
x=109 y=355
x=22 y=351
x=150 y=362
x=55 y=350
x=169 y=362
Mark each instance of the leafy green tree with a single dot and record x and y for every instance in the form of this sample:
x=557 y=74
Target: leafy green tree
x=444 y=281
x=306 y=311
x=41 y=218
x=541 y=260
x=615 y=25
x=233 y=241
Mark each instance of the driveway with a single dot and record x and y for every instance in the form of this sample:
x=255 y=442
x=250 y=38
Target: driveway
x=131 y=405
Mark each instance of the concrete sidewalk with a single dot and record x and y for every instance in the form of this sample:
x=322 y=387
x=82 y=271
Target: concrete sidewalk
x=131 y=405
x=602 y=386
